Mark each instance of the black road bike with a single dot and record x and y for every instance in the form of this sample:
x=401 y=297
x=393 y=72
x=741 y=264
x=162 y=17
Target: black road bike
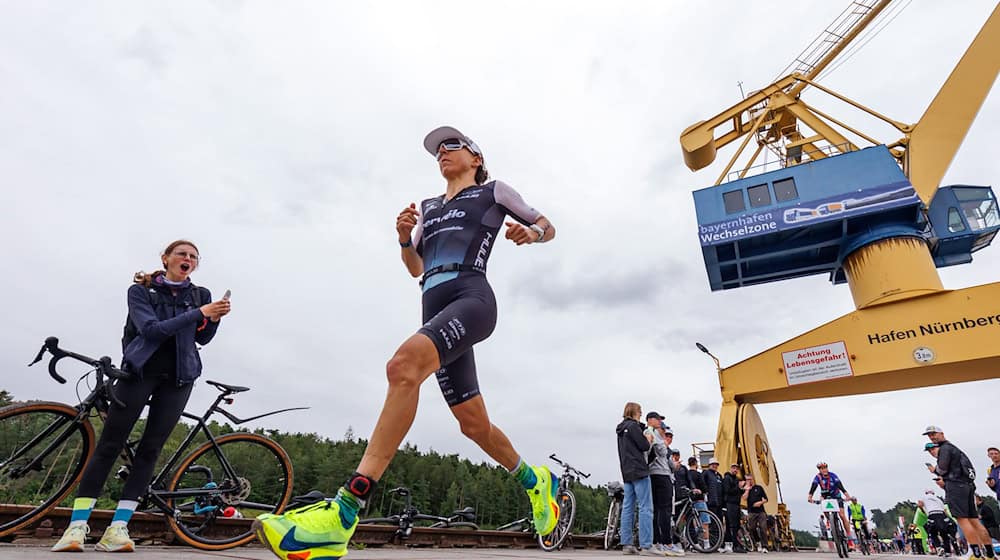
x=567 y=506
x=407 y=519
x=44 y=447
x=701 y=531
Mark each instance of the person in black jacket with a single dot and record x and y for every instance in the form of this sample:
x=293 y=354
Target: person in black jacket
x=632 y=448
x=957 y=477
x=731 y=495
x=713 y=489
x=168 y=318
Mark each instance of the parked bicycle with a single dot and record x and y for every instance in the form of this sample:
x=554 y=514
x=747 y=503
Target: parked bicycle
x=407 y=519
x=567 y=507
x=616 y=496
x=44 y=447
x=831 y=510
x=701 y=531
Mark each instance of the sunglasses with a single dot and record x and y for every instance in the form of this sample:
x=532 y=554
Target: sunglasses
x=453 y=145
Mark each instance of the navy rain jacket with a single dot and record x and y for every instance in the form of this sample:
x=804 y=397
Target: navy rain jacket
x=173 y=316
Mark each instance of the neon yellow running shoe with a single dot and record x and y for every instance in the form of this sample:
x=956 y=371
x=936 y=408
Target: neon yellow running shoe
x=544 y=508
x=306 y=533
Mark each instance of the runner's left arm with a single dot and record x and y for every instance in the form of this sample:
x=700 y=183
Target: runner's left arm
x=515 y=207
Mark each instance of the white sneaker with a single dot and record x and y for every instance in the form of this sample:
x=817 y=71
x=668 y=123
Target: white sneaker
x=668 y=550
x=629 y=549
x=116 y=539
x=650 y=552
x=763 y=550
x=678 y=549
x=72 y=539
x=727 y=548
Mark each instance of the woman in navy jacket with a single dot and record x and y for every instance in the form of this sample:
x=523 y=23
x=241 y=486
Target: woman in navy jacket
x=167 y=317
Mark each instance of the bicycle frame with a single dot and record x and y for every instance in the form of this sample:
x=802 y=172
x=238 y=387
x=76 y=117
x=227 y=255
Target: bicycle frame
x=159 y=497
x=97 y=399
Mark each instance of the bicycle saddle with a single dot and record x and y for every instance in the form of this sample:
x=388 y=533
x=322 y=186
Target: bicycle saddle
x=311 y=498
x=468 y=513
x=227 y=388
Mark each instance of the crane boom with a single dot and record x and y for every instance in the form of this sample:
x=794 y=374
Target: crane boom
x=935 y=139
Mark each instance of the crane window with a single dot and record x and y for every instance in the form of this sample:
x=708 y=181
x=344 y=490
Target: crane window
x=734 y=201
x=955 y=223
x=785 y=190
x=759 y=196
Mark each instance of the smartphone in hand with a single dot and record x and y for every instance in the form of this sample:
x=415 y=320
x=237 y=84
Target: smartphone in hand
x=225 y=296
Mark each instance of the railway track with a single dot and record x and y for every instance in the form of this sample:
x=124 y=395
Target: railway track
x=148 y=528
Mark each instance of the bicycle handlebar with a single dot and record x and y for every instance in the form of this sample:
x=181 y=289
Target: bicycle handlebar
x=102 y=365
x=568 y=467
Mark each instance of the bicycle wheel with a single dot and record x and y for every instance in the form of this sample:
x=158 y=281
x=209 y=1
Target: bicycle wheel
x=614 y=519
x=743 y=537
x=567 y=513
x=42 y=455
x=839 y=537
x=255 y=475
x=694 y=532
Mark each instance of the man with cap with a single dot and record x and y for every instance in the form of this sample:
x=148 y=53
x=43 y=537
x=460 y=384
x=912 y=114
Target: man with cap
x=957 y=476
x=662 y=479
x=937 y=520
x=713 y=489
x=446 y=242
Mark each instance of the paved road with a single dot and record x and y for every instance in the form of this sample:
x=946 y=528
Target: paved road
x=254 y=553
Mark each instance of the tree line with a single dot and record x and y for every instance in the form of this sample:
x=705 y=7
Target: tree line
x=439 y=483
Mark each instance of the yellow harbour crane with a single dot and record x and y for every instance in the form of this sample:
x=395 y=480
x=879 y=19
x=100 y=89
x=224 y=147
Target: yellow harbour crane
x=869 y=213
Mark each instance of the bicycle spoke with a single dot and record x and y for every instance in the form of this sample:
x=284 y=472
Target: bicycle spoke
x=44 y=453
x=244 y=476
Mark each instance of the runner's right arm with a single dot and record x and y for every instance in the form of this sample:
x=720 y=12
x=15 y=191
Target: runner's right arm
x=409 y=229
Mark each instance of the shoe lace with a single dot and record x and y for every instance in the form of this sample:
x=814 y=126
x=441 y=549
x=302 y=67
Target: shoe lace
x=323 y=504
x=85 y=529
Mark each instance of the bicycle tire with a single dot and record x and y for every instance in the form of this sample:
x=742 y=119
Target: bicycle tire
x=268 y=493
x=839 y=538
x=567 y=514
x=743 y=536
x=27 y=422
x=614 y=519
x=694 y=532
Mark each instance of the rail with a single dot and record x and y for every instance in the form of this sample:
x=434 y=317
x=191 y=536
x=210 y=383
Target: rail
x=147 y=529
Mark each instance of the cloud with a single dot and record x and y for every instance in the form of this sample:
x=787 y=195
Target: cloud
x=147 y=47
x=698 y=408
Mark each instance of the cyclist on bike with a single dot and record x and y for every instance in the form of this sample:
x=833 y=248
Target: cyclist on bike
x=831 y=487
x=447 y=241
x=166 y=323
x=858 y=517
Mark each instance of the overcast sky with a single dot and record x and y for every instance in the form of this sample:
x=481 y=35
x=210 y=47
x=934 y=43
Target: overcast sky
x=284 y=139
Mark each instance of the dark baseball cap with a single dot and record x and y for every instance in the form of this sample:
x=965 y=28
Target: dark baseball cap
x=654 y=415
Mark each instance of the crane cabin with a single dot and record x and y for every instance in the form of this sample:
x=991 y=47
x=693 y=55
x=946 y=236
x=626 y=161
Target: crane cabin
x=807 y=218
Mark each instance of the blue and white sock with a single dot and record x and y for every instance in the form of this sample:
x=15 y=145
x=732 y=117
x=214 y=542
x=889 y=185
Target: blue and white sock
x=123 y=514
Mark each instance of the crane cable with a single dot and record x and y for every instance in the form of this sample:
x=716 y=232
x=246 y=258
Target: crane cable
x=880 y=24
